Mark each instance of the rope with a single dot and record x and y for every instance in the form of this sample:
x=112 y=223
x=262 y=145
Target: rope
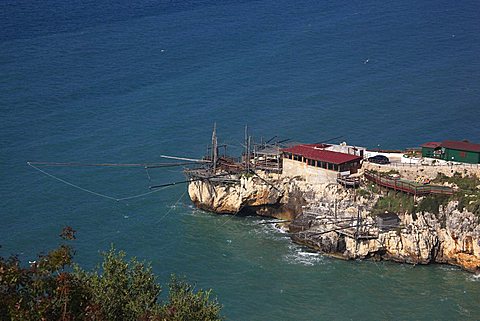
x=228 y=220
x=146 y=170
x=173 y=206
x=75 y=164
x=93 y=192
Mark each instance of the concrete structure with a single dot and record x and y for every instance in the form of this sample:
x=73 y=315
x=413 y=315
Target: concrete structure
x=453 y=151
x=316 y=164
x=347 y=149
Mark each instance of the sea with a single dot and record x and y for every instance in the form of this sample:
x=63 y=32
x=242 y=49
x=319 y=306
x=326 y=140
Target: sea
x=127 y=81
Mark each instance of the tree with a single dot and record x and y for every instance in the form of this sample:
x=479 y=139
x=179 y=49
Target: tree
x=185 y=304
x=53 y=288
x=121 y=290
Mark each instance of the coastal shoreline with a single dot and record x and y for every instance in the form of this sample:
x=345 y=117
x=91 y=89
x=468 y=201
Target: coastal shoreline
x=451 y=237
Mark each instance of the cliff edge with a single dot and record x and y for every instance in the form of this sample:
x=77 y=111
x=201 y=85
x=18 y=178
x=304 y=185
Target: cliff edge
x=450 y=234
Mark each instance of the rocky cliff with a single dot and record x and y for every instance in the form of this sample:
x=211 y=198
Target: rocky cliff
x=452 y=236
x=269 y=196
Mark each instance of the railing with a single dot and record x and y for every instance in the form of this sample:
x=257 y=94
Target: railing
x=407 y=186
x=457 y=166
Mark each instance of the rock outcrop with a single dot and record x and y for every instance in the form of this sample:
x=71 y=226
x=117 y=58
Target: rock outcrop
x=451 y=237
x=266 y=196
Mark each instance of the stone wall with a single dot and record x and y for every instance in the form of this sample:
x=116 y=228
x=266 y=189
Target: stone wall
x=413 y=171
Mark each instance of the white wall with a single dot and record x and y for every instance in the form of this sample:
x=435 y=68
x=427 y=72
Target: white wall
x=347 y=149
x=370 y=153
x=311 y=174
x=410 y=160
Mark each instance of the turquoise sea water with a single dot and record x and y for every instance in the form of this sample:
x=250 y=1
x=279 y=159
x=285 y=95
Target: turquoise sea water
x=116 y=81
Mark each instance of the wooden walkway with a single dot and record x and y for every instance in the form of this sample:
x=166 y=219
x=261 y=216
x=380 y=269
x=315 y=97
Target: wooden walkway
x=352 y=232
x=409 y=187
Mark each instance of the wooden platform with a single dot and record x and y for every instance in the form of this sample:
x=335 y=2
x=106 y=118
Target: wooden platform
x=406 y=186
x=351 y=233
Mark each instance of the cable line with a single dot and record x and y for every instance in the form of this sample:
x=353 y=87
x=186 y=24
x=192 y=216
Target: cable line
x=93 y=192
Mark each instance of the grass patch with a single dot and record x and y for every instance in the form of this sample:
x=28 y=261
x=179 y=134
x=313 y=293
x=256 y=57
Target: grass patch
x=398 y=203
x=392 y=172
x=431 y=203
x=247 y=175
x=467 y=183
x=468 y=195
x=363 y=193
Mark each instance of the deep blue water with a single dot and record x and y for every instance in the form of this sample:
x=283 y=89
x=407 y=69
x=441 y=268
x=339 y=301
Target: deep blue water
x=116 y=81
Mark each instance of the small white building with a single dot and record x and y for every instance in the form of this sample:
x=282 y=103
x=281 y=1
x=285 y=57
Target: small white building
x=347 y=149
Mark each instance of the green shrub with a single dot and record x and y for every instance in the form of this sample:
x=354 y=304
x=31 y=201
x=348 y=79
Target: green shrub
x=122 y=290
x=431 y=203
x=185 y=304
x=363 y=192
x=466 y=186
x=119 y=290
x=398 y=203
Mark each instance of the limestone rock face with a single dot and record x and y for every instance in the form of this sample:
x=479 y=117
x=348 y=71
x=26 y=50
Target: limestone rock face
x=460 y=239
x=423 y=240
x=451 y=237
x=250 y=195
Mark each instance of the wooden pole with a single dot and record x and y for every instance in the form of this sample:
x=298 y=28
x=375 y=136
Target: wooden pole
x=246 y=147
x=358 y=223
x=248 y=152
x=214 y=147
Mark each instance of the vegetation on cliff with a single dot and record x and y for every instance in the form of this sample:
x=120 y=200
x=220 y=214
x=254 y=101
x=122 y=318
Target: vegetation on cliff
x=54 y=288
x=467 y=194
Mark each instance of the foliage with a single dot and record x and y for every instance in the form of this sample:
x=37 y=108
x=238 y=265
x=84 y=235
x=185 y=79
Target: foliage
x=363 y=193
x=44 y=290
x=247 y=175
x=468 y=194
x=467 y=183
x=392 y=172
x=398 y=203
x=185 y=304
x=431 y=203
x=120 y=290
x=126 y=290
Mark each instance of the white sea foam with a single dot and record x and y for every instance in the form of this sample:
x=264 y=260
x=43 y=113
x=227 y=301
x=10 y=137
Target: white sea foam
x=474 y=278
x=298 y=255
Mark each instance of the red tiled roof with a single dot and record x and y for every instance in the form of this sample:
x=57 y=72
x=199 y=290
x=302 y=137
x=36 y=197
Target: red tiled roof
x=466 y=146
x=316 y=152
x=432 y=145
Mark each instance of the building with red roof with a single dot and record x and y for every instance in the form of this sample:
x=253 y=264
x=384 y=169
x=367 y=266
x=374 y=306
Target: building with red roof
x=455 y=151
x=317 y=164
